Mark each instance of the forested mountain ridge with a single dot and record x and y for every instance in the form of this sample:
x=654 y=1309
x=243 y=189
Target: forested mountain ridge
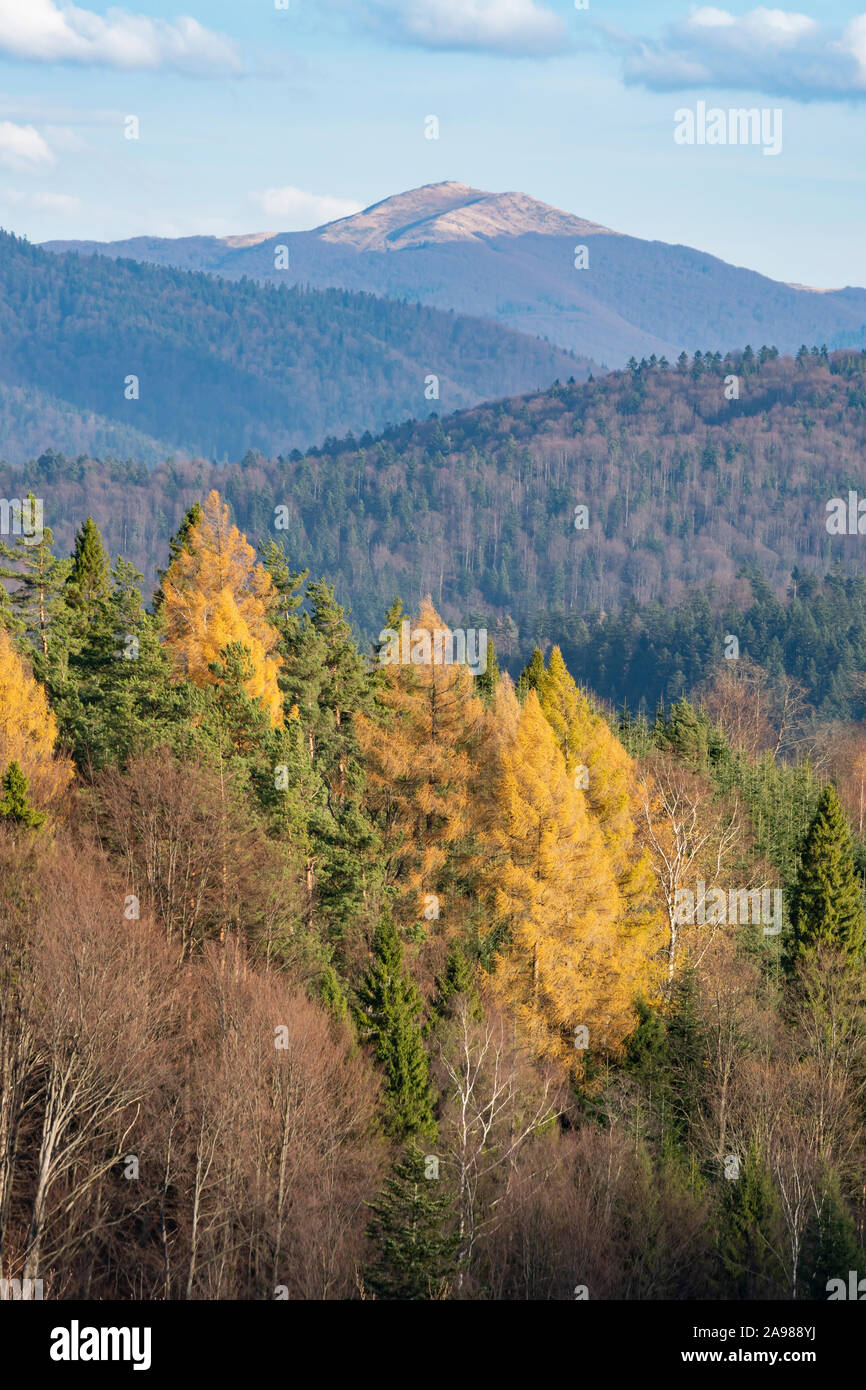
x=682 y=487
x=171 y=360
x=509 y=257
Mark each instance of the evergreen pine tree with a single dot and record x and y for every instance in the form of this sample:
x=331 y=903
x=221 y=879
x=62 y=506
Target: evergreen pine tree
x=15 y=807
x=392 y=621
x=685 y=732
x=457 y=977
x=828 y=906
x=416 y=1256
x=487 y=681
x=831 y=1248
x=113 y=688
x=39 y=578
x=388 y=1016
x=88 y=583
x=749 y=1235
x=532 y=675
x=647 y=1057
x=326 y=683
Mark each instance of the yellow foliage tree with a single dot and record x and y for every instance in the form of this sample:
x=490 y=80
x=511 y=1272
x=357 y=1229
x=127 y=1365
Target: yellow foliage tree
x=419 y=769
x=215 y=593
x=601 y=768
x=568 y=957
x=28 y=729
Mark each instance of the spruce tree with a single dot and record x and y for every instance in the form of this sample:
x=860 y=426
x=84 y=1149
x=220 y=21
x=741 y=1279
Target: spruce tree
x=15 y=807
x=388 y=1016
x=487 y=681
x=647 y=1057
x=828 y=906
x=685 y=732
x=532 y=675
x=392 y=620
x=326 y=684
x=330 y=682
x=831 y=1246
x=457 y=977
x=750 y=1232
x=88 y=583
x=288 y=584
x=114 y=691
x=39 y=577
x=416 y=1256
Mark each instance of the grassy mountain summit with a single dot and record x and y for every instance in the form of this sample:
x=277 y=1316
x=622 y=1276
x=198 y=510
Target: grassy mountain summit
x=509 y=257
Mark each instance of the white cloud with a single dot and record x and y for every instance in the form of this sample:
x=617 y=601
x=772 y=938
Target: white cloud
x=779 y=52
x=299 y=211
x=22 y=147
x=43 y=202
x=517 y=28
x=42 y=31
x=504 y=26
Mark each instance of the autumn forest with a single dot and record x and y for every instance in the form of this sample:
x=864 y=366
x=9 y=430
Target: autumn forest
x=330 y=975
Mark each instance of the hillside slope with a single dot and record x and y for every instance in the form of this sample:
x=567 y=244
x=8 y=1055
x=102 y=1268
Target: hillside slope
x=223 y=367
x=682 y=487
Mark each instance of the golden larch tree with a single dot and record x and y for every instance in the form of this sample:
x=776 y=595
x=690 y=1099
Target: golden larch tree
x=28 y=728
x=215 y=592
x=566 y=957
x=420 y=766
x=603 y=770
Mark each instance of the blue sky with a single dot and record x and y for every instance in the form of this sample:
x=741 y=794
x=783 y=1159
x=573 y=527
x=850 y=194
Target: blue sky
x=253 y=117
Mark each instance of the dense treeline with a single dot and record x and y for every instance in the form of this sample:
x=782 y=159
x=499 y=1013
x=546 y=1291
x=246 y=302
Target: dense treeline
x=332 y=973
x=682 y=487
x=645 y=656
x=224 y=367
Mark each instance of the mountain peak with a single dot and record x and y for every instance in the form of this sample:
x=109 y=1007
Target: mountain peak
x=447 y=212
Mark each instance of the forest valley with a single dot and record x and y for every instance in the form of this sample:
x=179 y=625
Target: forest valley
x=330 y=977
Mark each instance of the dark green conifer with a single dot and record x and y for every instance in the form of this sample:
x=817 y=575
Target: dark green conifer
x=828 y=905
x=532 y=675
x=15 y=807
x=416 y=1255
x=751 y=1240
x=388 y=1016
x=88 y=584
x=487 y=681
